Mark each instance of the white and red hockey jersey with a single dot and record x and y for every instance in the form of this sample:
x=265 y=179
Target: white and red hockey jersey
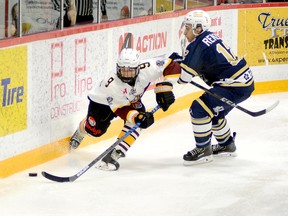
x=116 y=94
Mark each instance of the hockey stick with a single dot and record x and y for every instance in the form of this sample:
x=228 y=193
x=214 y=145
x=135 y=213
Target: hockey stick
x=231 y=103
x=81 y=172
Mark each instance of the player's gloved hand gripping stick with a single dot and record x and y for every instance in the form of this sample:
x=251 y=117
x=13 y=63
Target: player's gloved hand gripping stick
x=81 y=172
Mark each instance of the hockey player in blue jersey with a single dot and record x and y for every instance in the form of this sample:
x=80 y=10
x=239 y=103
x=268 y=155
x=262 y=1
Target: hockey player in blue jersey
x=208 y=57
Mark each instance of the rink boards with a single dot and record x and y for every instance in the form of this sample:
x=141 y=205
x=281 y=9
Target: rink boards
x=45 y=78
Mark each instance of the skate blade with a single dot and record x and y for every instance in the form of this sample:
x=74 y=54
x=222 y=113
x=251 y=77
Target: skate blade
x=226 y=154
x=105 y=167
x=203 y=160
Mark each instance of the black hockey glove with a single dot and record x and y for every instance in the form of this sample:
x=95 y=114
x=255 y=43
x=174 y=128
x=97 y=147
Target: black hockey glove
x=176 y=57
x=164 y=95
x=146 y=119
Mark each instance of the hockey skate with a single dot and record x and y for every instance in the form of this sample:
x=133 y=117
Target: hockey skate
x=76 y=139
x=198 y=156
x=226 y=150
x=109 y=162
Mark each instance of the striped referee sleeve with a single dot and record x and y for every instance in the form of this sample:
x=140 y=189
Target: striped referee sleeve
x=84 y=7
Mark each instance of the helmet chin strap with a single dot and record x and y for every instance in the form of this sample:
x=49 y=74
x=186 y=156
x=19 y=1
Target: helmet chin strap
x=194 y=33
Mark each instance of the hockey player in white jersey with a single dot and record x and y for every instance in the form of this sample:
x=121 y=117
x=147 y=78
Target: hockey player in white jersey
x=119 y=95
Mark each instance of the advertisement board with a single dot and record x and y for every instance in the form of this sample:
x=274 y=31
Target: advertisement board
x=13 y=90
x=263 y=35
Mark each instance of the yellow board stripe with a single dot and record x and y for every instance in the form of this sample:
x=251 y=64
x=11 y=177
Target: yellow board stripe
x=57 y=149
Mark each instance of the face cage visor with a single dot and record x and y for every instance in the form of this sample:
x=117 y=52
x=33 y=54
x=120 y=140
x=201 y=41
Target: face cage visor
x=198 y=27
x=127 y=74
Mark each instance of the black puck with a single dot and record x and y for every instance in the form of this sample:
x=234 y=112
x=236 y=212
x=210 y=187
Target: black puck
x=32 y=174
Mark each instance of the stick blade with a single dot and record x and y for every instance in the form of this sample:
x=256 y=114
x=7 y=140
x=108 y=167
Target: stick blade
x=261 y=112
x=55 y=178
x=272 y=106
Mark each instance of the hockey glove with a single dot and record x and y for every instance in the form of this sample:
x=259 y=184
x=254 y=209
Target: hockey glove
x=146 y=119
x=176 y=57
x=164 y=95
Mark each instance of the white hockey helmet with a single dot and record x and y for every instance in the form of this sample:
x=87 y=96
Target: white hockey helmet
x=198 y=18
x=128 y=65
